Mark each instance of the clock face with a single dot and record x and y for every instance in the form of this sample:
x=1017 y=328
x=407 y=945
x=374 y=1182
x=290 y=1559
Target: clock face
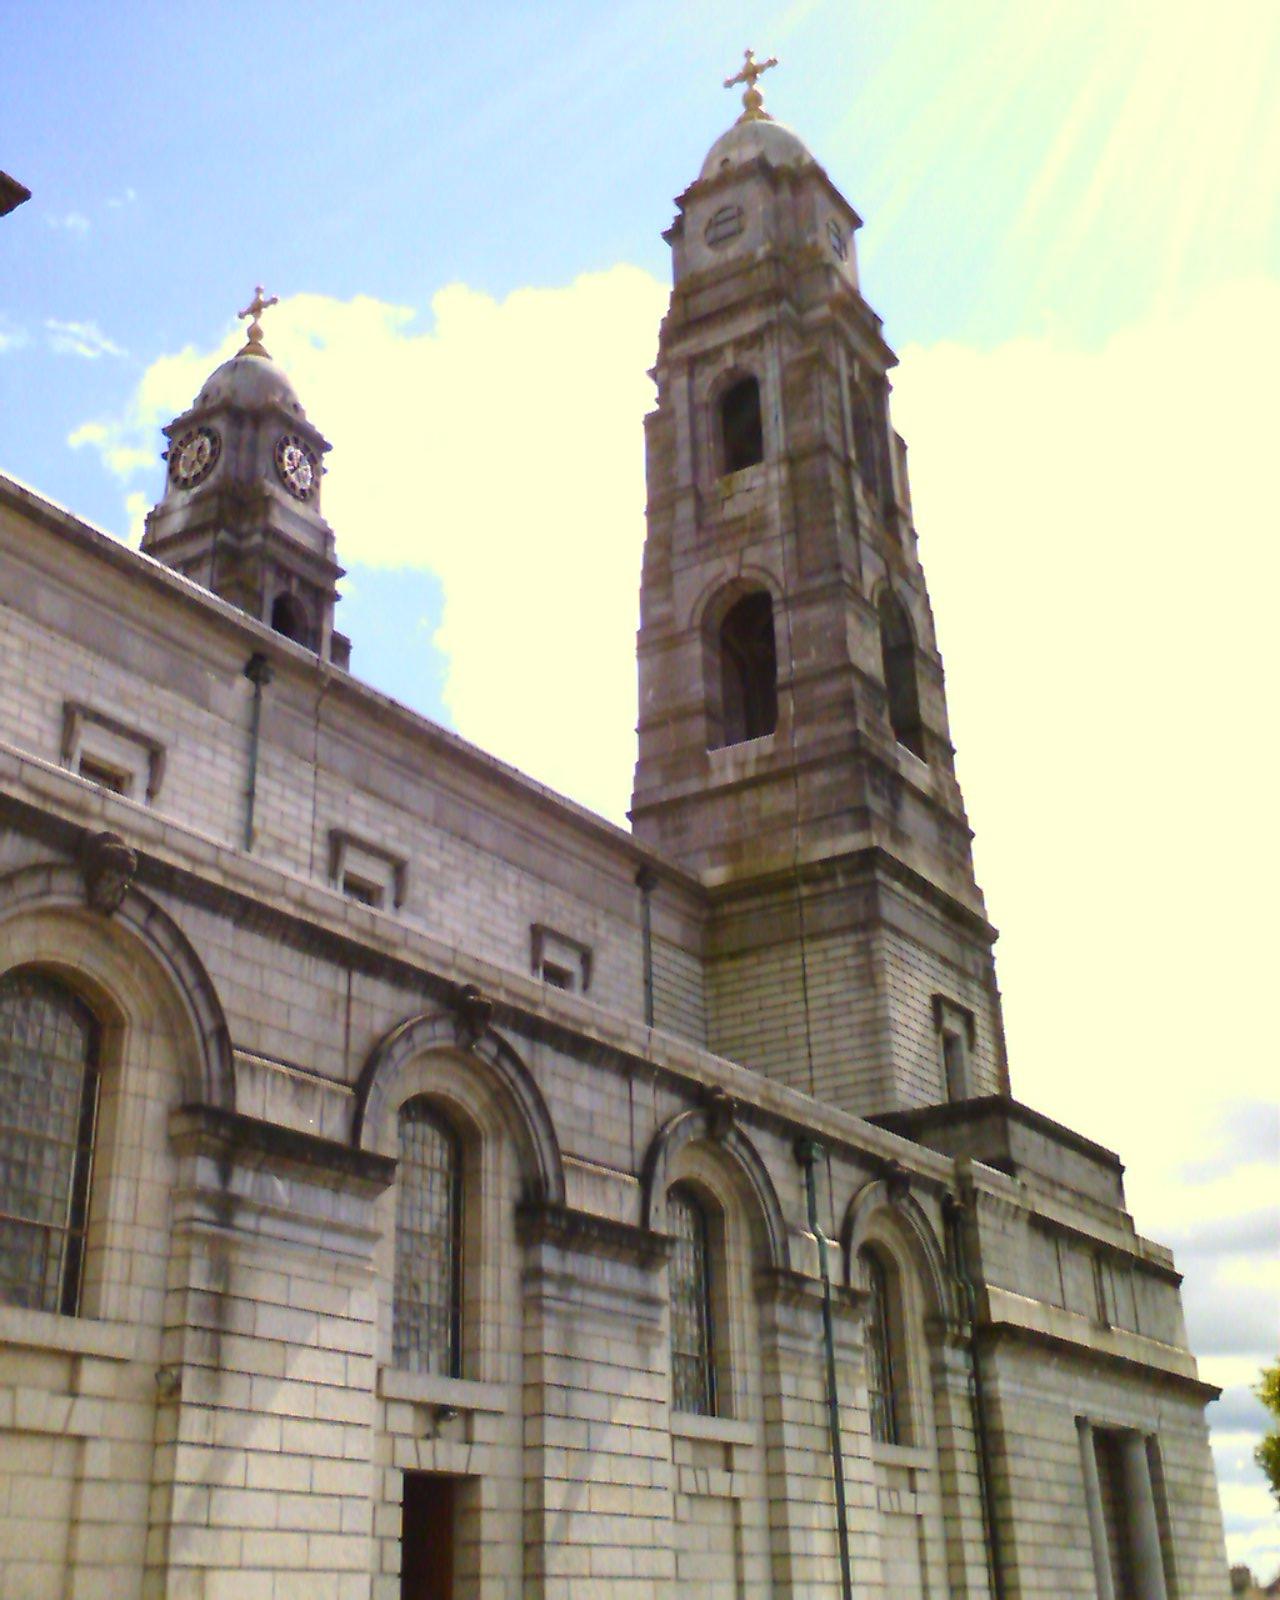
x=194 y=457
x=297 y=466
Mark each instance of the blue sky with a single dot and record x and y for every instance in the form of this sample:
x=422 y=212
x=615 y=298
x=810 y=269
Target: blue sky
x=1073 y=235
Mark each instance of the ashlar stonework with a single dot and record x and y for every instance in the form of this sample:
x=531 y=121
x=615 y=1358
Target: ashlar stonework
x=458 y=1195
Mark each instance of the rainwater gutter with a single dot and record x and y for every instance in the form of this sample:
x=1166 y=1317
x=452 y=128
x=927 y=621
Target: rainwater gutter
x=807 y=1153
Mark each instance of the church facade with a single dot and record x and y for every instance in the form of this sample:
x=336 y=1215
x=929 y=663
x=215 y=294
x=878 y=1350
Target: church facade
x=413 y=1186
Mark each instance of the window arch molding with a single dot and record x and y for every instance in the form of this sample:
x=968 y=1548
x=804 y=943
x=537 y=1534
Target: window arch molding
x=489 y=1176
x=703 y=1162
x=136 y=965
x=516 y=1105
x=893 y=1230
x=147 y=993
x=743 y=1180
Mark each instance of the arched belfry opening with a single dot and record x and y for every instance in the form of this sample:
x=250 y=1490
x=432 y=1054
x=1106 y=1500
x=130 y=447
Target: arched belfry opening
x=898 y=655
x=748 y=664
x=289 y=617
x=741 y=428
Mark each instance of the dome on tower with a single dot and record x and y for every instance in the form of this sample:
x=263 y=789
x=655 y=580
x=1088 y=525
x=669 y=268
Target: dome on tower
x=752 y=137
x=250 y=380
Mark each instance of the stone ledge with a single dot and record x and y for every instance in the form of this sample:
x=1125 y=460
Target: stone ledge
x=77 y=1336
x=265 y=1144
x=1010 y=1315
x=720 y=1430
x=430 y=1389
x=539 y=1222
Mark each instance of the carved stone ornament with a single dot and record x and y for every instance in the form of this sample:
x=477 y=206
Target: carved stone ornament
x=722 y=1113
x=474 y=1010
x=108 y=866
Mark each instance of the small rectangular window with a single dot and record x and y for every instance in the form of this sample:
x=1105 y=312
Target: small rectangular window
x=355 y=888
x=954 y=1026
x=108 y=752
x=367 y=872
x=560 y=961
x=106 y=777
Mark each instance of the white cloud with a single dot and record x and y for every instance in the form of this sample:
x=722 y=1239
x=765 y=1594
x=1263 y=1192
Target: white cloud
x=84 y=339
x=69 y=222
x=501 y=450
x=1099 y=533
x=12 y=338
x=116 y=202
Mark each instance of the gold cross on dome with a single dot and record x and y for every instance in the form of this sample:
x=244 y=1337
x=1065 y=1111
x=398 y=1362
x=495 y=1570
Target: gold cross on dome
x=253 y=344
x=748 y=73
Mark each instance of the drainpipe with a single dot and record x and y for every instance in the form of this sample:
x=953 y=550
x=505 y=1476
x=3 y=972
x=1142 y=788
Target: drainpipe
x=646 y=882
x=259 y=672
x=954 y=1211
x=807 y=1153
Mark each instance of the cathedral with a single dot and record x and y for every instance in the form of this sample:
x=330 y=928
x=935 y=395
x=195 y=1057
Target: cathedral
x=415 y=1187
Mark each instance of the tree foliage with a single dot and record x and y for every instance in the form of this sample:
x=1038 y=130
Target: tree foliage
x=1267 y=1454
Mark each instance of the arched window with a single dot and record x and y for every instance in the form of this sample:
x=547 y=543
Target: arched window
x=741 y=430
x=289 y=617
x=883 y=1398
x=693 y=1363
x=48 y=1108
x=898 y=654
x=748 y=670
x=427 y=1305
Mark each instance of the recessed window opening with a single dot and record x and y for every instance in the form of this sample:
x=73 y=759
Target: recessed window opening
x=955 y=1061
x=427 y=1300
x=106 y=777
x=361 y=889
x=557 y=977
x=48 y=1109
x=882 y=1389
x=898 y=653
x=741 y=429
x=748 y=670
x=289 y=617
x=866 y=444
x=693 y=1364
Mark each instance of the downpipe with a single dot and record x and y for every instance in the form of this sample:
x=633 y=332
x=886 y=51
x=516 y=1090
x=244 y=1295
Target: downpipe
x=954 y=1211
x=259 y=672
x=807 y=1153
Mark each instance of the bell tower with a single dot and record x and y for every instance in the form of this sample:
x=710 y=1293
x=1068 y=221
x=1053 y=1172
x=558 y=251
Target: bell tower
x=793 y=739
x=241 y=509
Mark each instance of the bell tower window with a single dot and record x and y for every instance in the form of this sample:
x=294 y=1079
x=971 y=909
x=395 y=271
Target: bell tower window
x=741 y=430
x=898 y=655
x=748 y=670
x=289 y=617
x=866 y=445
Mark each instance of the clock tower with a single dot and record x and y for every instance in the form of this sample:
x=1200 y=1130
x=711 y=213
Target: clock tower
x=241 y=510
x=793 y=741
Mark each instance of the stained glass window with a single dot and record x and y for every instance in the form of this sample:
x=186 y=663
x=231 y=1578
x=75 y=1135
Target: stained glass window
x=48 y=1104
x=881 y=1396
x=689 y=1270
x=426 y=1312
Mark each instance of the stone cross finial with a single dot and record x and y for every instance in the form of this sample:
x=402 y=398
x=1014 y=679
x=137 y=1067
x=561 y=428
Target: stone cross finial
x=752 y=99
x=253 y=344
